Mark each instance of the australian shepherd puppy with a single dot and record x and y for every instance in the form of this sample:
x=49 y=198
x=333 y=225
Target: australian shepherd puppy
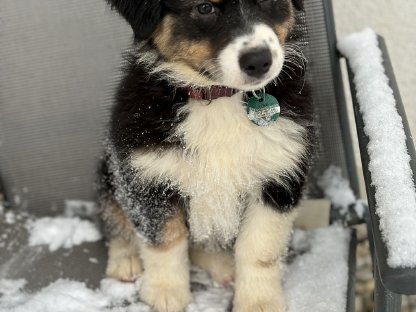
x=199 y=163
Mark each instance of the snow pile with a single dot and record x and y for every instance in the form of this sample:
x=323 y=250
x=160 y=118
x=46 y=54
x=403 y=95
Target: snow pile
x=316 y=281
x=60 y=296
x=119 y=292
x=10 y=287
x=61 y=232
x=337 y=189
x=10 y=294
x=389 y=161
x=9 y=217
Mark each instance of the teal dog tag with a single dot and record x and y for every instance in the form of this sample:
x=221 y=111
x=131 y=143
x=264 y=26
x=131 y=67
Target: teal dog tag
x=263 y=110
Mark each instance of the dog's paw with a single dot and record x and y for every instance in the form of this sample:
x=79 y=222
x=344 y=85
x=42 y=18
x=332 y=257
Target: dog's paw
x=124 y=267
x=264 y=297
x=266 y=306
x=163 y=298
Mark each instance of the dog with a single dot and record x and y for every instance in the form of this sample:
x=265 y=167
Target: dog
x=196 y=167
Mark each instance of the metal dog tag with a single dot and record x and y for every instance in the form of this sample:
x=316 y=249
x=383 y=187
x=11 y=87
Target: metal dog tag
x=263 y=110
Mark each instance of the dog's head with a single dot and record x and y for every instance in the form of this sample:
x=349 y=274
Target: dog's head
x=234 y=43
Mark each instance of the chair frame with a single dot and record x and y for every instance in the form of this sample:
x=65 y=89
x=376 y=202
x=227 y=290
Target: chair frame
x=390 y=283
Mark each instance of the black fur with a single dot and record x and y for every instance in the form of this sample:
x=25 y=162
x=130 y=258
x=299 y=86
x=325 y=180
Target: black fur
x=145 y=116
x=137 y=124
x=285 y=196
x=146 y=112
x=298 y=4
x=294 y=96
x=142 y=15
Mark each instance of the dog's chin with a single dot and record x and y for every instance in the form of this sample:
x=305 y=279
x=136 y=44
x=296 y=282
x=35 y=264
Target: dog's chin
x=246 y=83
x=256 y=84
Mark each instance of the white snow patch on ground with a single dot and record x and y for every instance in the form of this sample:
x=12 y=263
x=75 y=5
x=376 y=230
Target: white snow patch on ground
x=119 y=292
x=318 y=280
x=389 y=161
x=9 y=287
x=62 y=232
x=60 y=296
x=10 y=217
x=315 y=281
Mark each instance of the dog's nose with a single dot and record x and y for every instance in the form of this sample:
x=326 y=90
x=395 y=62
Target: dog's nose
x=256 y=63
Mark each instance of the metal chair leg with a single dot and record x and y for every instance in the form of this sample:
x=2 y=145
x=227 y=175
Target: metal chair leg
x=384 y=299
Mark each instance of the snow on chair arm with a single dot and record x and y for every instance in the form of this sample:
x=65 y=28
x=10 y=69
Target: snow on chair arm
x=389 y=145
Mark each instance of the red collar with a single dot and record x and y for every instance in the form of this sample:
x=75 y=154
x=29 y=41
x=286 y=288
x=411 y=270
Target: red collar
x=210 y=93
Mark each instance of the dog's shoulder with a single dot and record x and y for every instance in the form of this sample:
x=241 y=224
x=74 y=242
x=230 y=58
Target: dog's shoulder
x=145 y=109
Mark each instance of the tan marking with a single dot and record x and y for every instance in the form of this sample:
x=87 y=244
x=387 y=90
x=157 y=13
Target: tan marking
x=174 y=232
x=283 y=29
x=197 y=52
x=163 y=34
x=216 y=1
x=123 y=252
x=124 y=259
x=117 y=221
x=192 y=53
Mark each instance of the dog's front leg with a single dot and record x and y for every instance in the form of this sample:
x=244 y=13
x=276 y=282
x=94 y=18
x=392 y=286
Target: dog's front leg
x=259 y=247
x=165 y=285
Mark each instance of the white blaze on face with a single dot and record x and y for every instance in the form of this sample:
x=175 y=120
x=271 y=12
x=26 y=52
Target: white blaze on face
x=262 y=37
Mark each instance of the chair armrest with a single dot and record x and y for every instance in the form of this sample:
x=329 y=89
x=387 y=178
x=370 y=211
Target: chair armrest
x=399 y=280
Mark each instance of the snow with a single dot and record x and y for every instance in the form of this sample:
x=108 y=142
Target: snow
x=60 y=296
x=320 y=273
x=337 y=189
x=389 y=161
x=119 y=292
x=316 y=281
x=62 y=232
x=9 y=217
x=9 y=287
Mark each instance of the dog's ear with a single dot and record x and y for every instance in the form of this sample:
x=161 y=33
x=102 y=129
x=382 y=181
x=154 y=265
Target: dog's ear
x=142 y=15
x=298 y=4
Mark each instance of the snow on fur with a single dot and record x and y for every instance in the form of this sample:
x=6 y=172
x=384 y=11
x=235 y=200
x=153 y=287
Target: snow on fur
x=61 y=232
x=315 y=281
x=389 y=161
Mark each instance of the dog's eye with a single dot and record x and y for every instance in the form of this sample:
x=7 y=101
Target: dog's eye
x=205 y=8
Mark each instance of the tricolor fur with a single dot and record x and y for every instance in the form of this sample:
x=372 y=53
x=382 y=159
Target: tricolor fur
x=178 y=168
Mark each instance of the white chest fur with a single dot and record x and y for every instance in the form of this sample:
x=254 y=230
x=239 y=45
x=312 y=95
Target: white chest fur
x=226 y=157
